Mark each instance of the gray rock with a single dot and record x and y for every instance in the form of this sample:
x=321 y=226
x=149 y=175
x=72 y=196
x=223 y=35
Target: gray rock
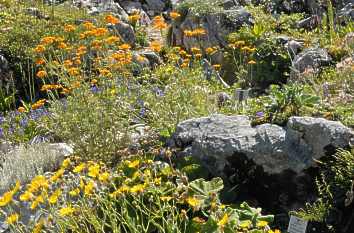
x=216 y=139
x=4 y=64
x=26 y=161
x=309 y=23
x=217 y=27
x=35 y=12
x=346 y=13
x=312 y=58
x=131 y=6
x=294 y=47
x=125 y=31
x=156 y=5
x=96 y=7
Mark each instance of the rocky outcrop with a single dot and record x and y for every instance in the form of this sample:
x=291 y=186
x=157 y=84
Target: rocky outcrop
x=311 y=58
x=216 y=139
x=24 y=162
x=217 y=27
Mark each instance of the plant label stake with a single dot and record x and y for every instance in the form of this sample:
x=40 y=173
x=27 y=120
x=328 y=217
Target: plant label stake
x=297 y=225
x=241 y=96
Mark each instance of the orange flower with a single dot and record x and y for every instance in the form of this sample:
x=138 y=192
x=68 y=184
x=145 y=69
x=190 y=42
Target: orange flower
x=73 y=71
x=112 y=40
x=41 y=74
x=124 y=47
x=69 y=28
x=47 y=40
x=217 y=66
x=39 y=49
x=99 y=31
x=49 y=87
x=195 y=50
x=199 y=31
x=62 y=45
x=174 y=15
x=156 y=46
x=159 y=22
x=111 y=19
x=68 y=63
x=40 y=61
x=38 y=104
x=89 y=25
x=210 y=50
x=198 y=56
x=21 y=109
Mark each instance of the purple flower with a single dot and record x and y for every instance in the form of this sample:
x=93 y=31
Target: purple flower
x=158 y=92
x=95 y=89
x=24 y=122
x=260 y=114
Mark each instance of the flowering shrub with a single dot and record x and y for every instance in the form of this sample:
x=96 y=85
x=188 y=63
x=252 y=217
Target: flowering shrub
x=136 y=196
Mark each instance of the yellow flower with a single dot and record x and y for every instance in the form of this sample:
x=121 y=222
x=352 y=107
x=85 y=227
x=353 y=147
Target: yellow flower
x=134 y=18
x=262 y=224
x=89 y=25
x=139 y=188
x=193 y=202
x=121 y=190
x=37 y=201
x=65 y=211
x=88 y=189
x=13 y=218
x=41 y=74
x=57 y=175
x=79 y=168
x=36 y=183
x=103 y=177
x=223 y=221
x=26 y=196
x=252 y=62
x=157 y=181
x=94 y=170
x=133 y=164
x=245 y=224
x=74 y=192
x=174 y=15
x=66 y=163
x=6 y=199
x=167 y=198
x=39 y=226
x=54 y=197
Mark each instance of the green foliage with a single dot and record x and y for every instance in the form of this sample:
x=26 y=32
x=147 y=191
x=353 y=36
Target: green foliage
x=185 y=95
x=289 y=100
x=92 y=123
x=201 y=7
